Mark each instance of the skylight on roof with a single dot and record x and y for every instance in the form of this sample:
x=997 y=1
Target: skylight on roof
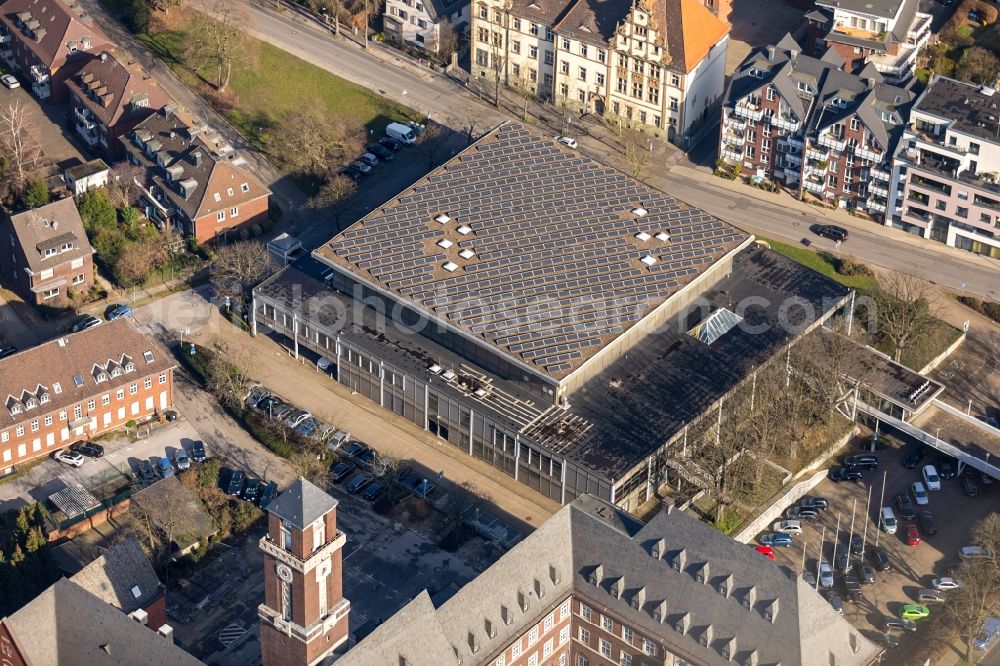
x=662 y=236
x=445 y=243
x=643 y=236
x=715 y=325
x=136 y=592
x=467 y=253
x=57 y=388
x=450 y=266
x=465 y=230
x=443 y=218
x=148 y=356
x=648 y=259
x=639 y=211
x=78 y=380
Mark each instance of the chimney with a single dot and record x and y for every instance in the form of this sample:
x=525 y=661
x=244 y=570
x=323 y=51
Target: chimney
x=792 y=54
x=196 y=157
x=680 y=560
x=140 y=616
x=770 y=52
x=667 y=505
x=104 y=56
x=167 y=632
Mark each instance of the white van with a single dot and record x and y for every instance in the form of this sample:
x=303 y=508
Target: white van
x=401 y=133
x=889 y=520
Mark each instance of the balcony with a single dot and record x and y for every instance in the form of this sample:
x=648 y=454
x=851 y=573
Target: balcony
x=785 y=122
x=917 y=214
x=817 y=152
x=868 y=153
x=813 y=186
x=880 y=191
x=876 y=205
x=879 y=174
x=736 y=123
x=733 y=138
x=916 y=180
x=793 y=160
x=732 y=155
x=749 y=111
x=300 y=565
x=830 y=141
x=87 y=134
x=38 y=75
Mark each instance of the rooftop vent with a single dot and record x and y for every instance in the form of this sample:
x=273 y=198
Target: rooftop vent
x=480 y=393
x=648 y=259
x=445 y=243
x=987 y=91
x=639 y=211
x=449 y=375
x=662 y=236
x=465 y=230
x=467 y=253
x=643 y=236
x=450 y=266
x=715 y=325
x=434 y=369
x=442 y=218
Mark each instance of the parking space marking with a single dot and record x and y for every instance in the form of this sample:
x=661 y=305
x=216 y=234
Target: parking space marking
x=232 y=633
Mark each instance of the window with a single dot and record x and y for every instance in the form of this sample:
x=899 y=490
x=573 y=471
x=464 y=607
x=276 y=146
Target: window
x=973 y=148
x=4 y=436
x=220 y=216
x=649 y=647
x=582 y=661
x=79 y=279
x=163 y=378
x=78 y=412
x=563 y=635
x=674 y=104
x=106 y=399
x=234 y=212
x=549 y=621
x=564 y=610
x=484 y=12
x=583 y=50
x=91 y=405
x=599 y=78
x=602 y=56
x=48 y=420
x=245 y=188
x=50 y=293
x=626 y=659
x=148 y=383
x=133 y=389
x=62 y=415
x=585 y=612
x=532 y=636
x=19 y=431
x=548 y=60
x=675 y=81
x=565 y=44
x=564 y=67
x=515 y=46
x=533 y=53
x=584 y=636
x=547 y=649
x=34 y=425
x=533 y=29
x=605 y=648
x=515 y=650
x=962 y=212
x=941 y=204
x=500 y=661
x=533 y=659
x=582 y=74
x=607 y=623
x=627 y=634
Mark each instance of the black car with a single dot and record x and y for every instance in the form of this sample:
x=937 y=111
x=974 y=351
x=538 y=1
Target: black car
x=267 y=494
x=367 y=457
x=865 y=572
x=841 y=558
x=969 y=484
x=357 y=482
x=813 y=502
x=889 y=622
x=373 y=491
x=880 y=559
x=7 y=351
x=341 y=471
x=905 y=506
x=88 y=449
x=857 y=544
x=832 y=231
x=354 y=173
x=355 y=449
x=198 y=451
x=913 y=458
x=251 y=490
x=861 y=461
x=381 y=152
x=853 y=586
x=945 y=466
x=927 y=524
x=391 y=143
x=231 y=481
x=844 y=474
x=146 y=472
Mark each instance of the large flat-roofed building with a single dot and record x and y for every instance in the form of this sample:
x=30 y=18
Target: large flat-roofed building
x=544 y=312
x=594 y=586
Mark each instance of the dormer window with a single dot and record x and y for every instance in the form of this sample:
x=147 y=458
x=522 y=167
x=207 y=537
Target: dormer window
x=116 y=372
x=44 y=398
x=31 y=403
x=15 y=408
x=130 y=367
x=86 y=42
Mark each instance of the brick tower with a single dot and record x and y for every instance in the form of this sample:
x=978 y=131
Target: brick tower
x=304 y=614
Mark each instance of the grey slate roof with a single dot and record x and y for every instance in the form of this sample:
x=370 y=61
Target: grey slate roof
x=118 y=574
x=66 y=625
x=302 y=503
x=39 y=228
x=591 y=537
x=970 y=109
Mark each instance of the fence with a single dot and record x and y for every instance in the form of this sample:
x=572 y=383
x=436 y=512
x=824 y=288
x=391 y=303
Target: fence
x=943 y=355
x=774 y=511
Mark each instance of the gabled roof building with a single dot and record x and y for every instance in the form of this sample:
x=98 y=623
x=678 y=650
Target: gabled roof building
x=812 y=125
x=123 y=577
x=421 y=23
x=594 y=585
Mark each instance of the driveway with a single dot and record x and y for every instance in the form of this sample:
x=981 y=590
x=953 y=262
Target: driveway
x=47 y=119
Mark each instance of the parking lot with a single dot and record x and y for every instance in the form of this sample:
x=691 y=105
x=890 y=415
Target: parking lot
x=913 y=567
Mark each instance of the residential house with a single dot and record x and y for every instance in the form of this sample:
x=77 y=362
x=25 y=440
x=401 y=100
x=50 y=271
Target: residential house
x=886 y=33
x=657 y=65
x=815 y=127
x=421 y=23
x=177 y=514
x=123 y=577
x=84 y=177
x=49 y=255
x=48 y=41
x=946 y=175
x=108 y=98
x=79 y=387
x=593 y=585
x=192 y=179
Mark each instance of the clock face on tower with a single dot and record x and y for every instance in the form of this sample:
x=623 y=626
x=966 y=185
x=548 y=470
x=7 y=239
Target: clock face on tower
x=284 y=572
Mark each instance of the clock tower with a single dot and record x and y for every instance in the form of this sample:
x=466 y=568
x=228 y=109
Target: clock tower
x=304 y=614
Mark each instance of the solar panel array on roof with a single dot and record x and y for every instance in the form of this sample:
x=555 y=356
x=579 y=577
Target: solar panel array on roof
x=543 y=260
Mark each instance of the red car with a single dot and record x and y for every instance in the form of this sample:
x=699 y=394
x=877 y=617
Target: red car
x=766 y=551
x=912 y=536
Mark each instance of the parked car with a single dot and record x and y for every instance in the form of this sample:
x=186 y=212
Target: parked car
x=913 y=458
x=861 y=461
x=912 y=536
x=166 y=467
x=342 y=470
x=927 y=525
x=251 y=490
x=985 y=638
x=857 y=544
x=146 y=473
x=865 y=572
x=118 y=311
x=801 y=513
x=567 y=141
x=929 y=596
x=367 y=457
x=841 y=558
x=357 y=482
x=373 y=491
x=919 y=494
x=232 y=481
x=914 y=612
x=69 y=457
x=295 y=418
x=390 y=143
x=889 y=520
x=969 y=485
x=880 y=558
x=775 y=539
x=889 y=623
x=380 y=151
x=89 y=449
x=825 y=575
x=198 y=451
x=832 y=231
x=947 y=583
x=182 y=460
x=267 y=494
x=946 y=467
x=307 y=427
x=844 y=474
x=853 y=586
x=90 y=321
x=766 y=551
x=836 y=602
x=353 y=173
x=974 y=552
x=256 y=394
x=355 y=449
x=10 y=81
x=931 y=478
x=7 y=351
x=905 y=506
x=371 y=159
x=788 y=526
x=813 y=502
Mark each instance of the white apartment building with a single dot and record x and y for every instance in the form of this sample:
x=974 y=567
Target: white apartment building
x=656 y=65
x=420 y=23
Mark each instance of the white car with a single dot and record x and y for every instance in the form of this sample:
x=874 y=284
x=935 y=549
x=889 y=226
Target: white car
x=919 y=493
x=567 y=141
x=974 y=552
x=788 y=526
x=889 y=523
x=931 y=477
x=946 y=584
x=825 y=575
x=67 y=457
x=9 y=81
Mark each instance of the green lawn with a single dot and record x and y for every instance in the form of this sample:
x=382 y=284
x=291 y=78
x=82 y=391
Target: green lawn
x=821 y=262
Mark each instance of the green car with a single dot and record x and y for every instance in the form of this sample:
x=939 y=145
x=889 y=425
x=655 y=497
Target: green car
x=914 y=612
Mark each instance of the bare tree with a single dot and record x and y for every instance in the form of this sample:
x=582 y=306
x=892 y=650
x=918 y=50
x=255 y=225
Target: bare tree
x=522 y=84
x=447 y=42
x=637 y=152
x=311 y=140
x=498 y=58
x=229 y=374
x=309 y=465
x=430 y=144
x=122 y=187
x=217 y=41
x=20 y=147
x=968 y=607
x=904 y=309
x=470 y=121
x=333 y=192
x=238 y=268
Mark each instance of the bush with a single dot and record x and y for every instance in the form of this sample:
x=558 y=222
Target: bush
x=244 y=235
x=256 y=230
x=35 y=195
x=978 y=65
x=988 y=308
x=138 y=16
x=97 y=211
x=267 y=225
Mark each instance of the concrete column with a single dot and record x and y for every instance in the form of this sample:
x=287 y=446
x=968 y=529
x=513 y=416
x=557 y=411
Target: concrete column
x=381 y=384
x=295 y=333
x=472 y=418
x=517 y=453
x=253 y=314
x=336 y=348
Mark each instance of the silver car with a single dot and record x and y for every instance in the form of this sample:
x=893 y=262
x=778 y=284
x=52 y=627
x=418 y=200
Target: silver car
x=825 y=575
